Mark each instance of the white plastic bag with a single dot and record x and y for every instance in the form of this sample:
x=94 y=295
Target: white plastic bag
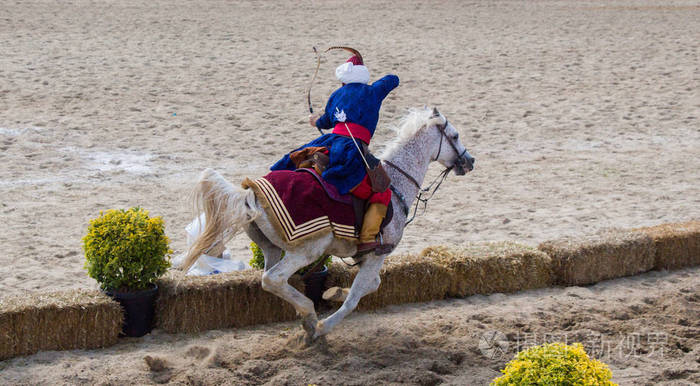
x=208 y=265
x=205 y=264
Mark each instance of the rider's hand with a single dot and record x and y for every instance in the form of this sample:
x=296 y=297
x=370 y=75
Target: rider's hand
x=312 y=119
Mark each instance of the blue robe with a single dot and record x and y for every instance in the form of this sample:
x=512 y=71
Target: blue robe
x=360 y=104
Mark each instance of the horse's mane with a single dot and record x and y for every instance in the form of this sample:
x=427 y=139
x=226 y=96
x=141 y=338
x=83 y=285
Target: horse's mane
x=409 y=125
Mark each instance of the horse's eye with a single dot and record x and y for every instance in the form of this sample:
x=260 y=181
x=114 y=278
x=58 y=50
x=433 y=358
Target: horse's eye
x=455 y=136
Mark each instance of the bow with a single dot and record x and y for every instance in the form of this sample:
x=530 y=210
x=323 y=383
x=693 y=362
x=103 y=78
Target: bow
x=308 y=92
x=318 y=66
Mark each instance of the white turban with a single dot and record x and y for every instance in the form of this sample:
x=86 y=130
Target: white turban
x=351 y=73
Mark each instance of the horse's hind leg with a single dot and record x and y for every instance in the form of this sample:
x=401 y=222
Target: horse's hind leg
x=272 y=253
x=366 y=281
x=275 y=280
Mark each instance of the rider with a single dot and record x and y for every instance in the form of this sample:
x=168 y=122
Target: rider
x=352 y=110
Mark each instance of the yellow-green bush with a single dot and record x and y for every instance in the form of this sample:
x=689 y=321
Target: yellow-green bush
x=258 y=259
x=125 y=250
x=554 y=364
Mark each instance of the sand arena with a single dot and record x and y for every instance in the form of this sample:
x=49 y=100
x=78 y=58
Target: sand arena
x=581 y=116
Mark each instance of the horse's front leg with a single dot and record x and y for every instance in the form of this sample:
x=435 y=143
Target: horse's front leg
x=275 y=280
x=366 y=282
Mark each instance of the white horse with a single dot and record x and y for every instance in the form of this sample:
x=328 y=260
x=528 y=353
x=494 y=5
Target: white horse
x=423 y=136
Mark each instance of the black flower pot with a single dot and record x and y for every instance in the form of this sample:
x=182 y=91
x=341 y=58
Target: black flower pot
x=315 y=284
x=138 y=309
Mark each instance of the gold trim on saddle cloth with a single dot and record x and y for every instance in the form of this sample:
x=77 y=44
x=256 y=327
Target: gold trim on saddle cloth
x=282 y=220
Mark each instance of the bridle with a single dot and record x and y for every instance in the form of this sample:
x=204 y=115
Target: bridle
x=434 y=185
x=461 y=158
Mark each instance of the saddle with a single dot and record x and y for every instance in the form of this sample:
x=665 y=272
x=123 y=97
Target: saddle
x=359 y=206
x=313 y=157
x=302 y=205
x=316 y=159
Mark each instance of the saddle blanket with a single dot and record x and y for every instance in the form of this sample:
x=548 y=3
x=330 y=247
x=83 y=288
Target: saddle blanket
x=302 y=205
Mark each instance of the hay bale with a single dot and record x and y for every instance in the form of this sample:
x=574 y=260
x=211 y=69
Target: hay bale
x=340 y=275
x=677 y=245
x=607 y=255
x=484 y=268
x=408 y=279
x=66 y=320
x=440 y=272
x=235 y=299
x=404 y=279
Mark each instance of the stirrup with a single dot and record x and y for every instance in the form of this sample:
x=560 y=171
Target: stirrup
x=379 y=249
x=365 y=248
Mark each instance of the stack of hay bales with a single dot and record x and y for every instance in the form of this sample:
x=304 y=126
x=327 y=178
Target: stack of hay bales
x=89 y=319
x=485 y=268
x=677 y=245
x=82 y=319
x=236 y=299
x=66 y=320
x=606 y=255
x=408 y=279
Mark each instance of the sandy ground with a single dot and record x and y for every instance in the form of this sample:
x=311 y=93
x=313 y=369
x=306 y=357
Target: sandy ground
x=647 y=328
x=582 y=115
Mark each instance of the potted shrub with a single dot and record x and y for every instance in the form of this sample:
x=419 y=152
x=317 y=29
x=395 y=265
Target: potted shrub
x=314 y=274
x=126 y=251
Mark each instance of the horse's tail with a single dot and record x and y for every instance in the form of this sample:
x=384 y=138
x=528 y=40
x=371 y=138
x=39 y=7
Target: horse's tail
x=226 y=210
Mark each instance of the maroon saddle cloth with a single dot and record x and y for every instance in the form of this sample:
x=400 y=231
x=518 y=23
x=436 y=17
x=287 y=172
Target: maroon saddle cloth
x=301 y=204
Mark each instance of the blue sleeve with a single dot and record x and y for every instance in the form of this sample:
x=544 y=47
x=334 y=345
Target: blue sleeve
x=384 y=85
x=324 y=122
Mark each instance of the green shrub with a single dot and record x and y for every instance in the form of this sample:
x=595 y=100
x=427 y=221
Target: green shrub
x=258 y=259
x=125 y=250
x=554 y=364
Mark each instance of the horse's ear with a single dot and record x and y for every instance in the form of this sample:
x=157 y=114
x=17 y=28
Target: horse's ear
x=436 y=113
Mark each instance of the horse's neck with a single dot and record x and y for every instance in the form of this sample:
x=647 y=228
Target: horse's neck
x=413 y=157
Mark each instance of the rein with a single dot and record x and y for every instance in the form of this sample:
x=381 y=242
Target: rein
x=393 y=165
x=434 y=185
x=419 y=198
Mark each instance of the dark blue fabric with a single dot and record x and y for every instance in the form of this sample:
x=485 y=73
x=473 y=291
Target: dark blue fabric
x=345 y=167
x=360 y=103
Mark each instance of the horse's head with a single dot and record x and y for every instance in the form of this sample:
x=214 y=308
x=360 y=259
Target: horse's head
x=449 y=150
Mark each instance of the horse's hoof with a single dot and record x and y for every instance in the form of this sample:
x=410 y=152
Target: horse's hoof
x=309 y=325
x=299 y=341
x=336 y=294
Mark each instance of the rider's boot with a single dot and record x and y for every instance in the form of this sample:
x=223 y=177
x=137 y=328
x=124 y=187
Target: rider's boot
x=370 y=227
